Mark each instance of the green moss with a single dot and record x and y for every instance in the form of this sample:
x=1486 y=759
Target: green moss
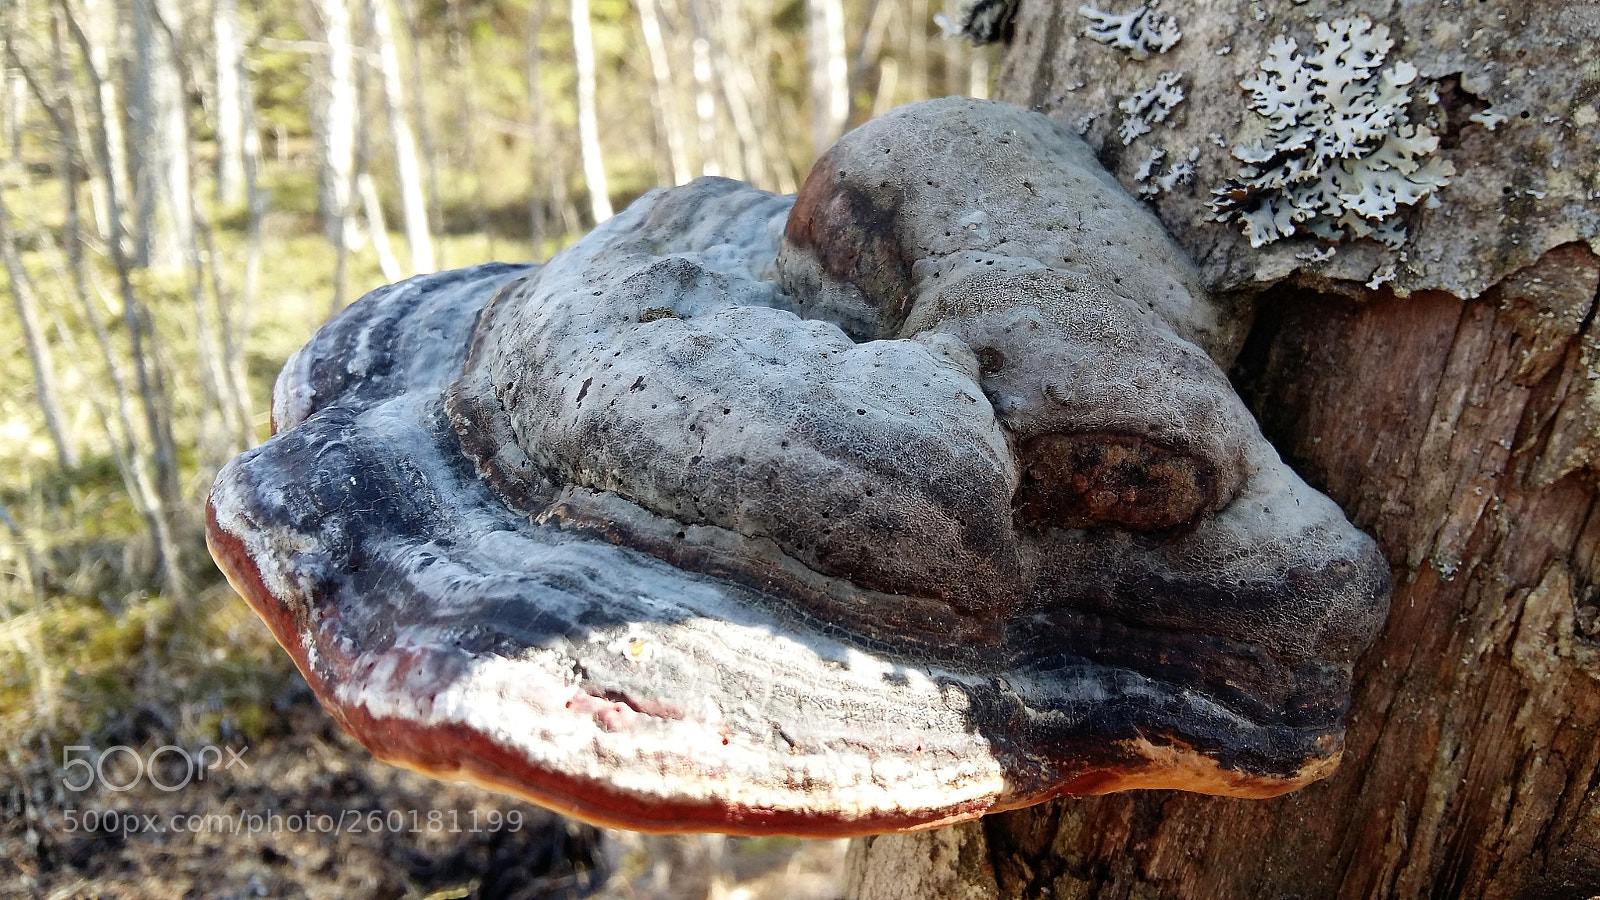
x=74 y=667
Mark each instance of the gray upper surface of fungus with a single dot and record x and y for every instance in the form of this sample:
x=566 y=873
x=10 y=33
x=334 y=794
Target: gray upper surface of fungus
x=918 y=495
x=1531 y=184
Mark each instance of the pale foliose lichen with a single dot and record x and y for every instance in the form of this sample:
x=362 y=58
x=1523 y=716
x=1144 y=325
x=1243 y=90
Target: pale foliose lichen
x=1140 y=32
x=1153 y=104
x=1488 y=119
x=982 y=21
x=1342 y=155
x=1152 y=181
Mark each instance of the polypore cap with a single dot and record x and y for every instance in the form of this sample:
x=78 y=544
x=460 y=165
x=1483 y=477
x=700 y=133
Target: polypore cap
x=916 y=497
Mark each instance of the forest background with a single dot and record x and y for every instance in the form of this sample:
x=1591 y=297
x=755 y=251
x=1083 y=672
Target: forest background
x=188 y=188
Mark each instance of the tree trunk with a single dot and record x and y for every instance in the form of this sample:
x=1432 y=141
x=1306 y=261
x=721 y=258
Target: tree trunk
x=161 y=132
x=705 y=98
x=730 y=47
x=164 y=501
x=230 y=101
x=101 y=24
x=334 y=116
x=413 y=205
x=1450 y=410
x=256 y=203
x=44 y=371
x=538 y=204
x=376 y=227
x=830 y=78
x=665 y=97
x=419 y=114
x=594 y=168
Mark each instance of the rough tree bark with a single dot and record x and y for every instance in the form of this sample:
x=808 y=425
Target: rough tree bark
x=1451 y=410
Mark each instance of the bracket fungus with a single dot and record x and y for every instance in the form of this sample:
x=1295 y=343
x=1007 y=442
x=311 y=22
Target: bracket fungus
x=918 y=496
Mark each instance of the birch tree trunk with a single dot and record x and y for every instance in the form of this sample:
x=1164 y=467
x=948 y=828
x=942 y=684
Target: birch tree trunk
x=538 y=201
x=101 y=23
x=594 y=169
x=26 y=305
x=159 y=114
x=705 y=107
x=334 y=116
x=229 y=44
x=376 y=227
x=731 y=45
x=1450 y=409
x=419 y=116
x=163 y=500
x=413 y=204
x=256 y=203
x=13 y=97
x=665 y=97
x=829 y=72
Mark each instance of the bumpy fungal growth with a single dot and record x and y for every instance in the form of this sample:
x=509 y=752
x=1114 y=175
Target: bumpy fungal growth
x=914 y=497
x=1139 y=33
x=1342 y=155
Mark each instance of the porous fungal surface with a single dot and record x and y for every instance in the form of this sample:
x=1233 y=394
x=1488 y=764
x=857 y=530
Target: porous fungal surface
x=914 y=497
x=1343 y=154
